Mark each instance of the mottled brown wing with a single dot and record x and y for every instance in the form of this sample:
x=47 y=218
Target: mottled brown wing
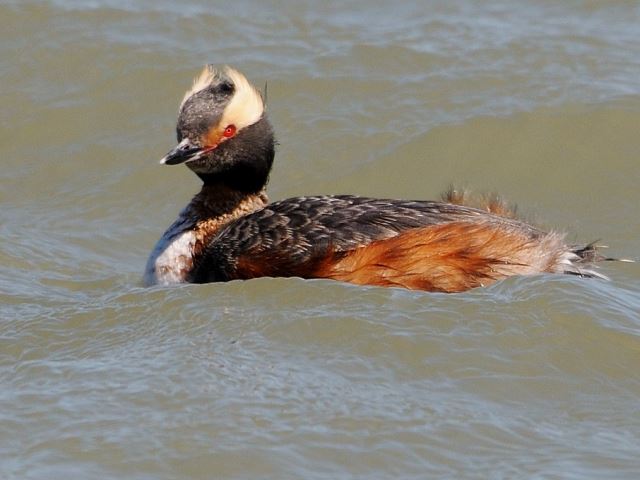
x=298 y=236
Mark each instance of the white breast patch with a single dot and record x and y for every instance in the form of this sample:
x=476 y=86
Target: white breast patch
x=172 y=258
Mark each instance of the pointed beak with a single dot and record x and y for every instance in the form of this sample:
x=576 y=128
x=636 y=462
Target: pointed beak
x=183 y=152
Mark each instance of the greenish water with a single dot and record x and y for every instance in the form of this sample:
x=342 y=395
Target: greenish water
x=284 y=378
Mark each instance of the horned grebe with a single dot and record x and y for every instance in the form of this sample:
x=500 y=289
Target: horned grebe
x=229 y=230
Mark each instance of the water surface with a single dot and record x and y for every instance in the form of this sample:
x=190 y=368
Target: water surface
x=284 y=378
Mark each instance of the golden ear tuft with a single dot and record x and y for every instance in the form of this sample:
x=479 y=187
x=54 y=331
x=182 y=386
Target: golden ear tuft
x=202 y=81
x=246 y=106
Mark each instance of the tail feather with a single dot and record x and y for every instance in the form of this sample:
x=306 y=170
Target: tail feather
x=591 y=253
x=577 y=260
x=574 y=268
x=489 y=202
x=584 y=257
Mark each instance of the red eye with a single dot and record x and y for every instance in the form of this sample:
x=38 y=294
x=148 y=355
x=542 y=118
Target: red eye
x=230 y=131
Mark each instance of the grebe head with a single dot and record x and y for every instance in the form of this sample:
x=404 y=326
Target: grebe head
x=223 y=133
